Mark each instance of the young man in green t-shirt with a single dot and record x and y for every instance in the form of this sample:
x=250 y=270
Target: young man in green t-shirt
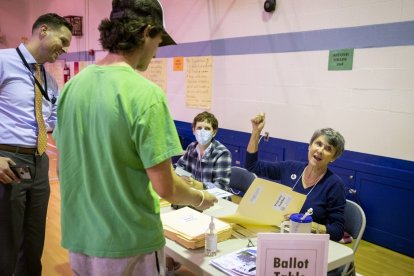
x=116 y=137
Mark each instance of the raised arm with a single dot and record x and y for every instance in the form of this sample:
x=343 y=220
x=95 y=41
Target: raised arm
x=258 y=123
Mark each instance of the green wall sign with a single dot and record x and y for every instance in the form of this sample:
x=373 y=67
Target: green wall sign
x=341 y=59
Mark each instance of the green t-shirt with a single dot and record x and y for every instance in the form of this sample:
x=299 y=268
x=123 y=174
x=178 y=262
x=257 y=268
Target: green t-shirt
x=112 y=125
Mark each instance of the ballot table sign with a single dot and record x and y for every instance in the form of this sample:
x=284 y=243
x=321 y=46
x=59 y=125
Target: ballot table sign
x=288 y=254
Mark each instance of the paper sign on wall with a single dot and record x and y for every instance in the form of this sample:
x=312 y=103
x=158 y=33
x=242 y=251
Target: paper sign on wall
x=292 y=254
x=341 y=59
x=157 y=72
x=83 y=64
x=178 y=63
x=198 y=82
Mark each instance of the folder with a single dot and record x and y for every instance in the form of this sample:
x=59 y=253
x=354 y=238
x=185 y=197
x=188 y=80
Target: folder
x=187 y=227
x=266 y=203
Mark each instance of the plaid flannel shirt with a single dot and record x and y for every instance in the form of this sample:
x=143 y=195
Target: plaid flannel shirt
x=213 y=169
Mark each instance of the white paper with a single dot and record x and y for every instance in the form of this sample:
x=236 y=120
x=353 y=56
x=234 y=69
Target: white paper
x=181 y=172
x=219 y=193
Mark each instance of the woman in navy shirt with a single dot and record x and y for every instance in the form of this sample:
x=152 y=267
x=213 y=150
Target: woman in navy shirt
x=324 y=190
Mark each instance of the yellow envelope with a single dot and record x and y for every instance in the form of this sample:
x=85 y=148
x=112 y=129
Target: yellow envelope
x=266 y=203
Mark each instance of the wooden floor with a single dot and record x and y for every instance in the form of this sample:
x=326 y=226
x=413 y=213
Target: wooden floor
x=371 y=260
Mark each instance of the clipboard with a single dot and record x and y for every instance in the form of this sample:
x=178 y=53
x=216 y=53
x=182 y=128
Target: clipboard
x=266 y=203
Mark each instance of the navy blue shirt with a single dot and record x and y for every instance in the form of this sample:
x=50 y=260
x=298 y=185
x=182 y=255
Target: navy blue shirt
x=327 y=197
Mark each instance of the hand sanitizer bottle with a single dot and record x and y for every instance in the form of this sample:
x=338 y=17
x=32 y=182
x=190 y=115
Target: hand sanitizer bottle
x=210 y=247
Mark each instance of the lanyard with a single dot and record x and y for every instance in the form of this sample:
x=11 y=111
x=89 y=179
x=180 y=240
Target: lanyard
x=301 y=176
x=44 y=93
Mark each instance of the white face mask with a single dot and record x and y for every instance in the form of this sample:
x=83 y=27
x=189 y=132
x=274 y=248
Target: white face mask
x=203 y=136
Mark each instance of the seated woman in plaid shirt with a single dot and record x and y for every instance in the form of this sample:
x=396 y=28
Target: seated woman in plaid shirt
x=207 y=160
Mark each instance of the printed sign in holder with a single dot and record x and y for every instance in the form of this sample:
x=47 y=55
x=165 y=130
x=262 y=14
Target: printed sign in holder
x=292 y=254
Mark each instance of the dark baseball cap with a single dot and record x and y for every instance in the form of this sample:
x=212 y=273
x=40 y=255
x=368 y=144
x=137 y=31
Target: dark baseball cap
x=133 y=9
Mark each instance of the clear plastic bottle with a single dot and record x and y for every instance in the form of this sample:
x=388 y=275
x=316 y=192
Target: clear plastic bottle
x=210 y=247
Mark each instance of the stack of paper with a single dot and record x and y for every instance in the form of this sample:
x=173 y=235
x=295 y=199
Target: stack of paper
x=238 y=263
x=188 y=226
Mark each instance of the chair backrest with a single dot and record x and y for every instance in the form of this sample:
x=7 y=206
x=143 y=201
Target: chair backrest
x=240 y=180
x=355 y=222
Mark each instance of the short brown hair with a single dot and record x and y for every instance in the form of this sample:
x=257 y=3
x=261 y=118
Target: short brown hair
x=206 y=116
x=334 y=138
x=53 y=20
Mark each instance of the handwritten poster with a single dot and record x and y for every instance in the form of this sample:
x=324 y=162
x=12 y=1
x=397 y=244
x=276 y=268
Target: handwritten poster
x=198 y=83
x=83 y=64
x=157 y=72
x=56 y=70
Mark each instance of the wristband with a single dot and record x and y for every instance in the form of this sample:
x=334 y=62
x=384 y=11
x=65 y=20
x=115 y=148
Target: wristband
x=202 y=198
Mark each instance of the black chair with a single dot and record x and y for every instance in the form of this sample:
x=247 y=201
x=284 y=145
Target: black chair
x=240 y=180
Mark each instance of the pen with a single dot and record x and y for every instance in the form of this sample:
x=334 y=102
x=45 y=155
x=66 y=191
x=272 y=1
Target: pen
x=251 y=269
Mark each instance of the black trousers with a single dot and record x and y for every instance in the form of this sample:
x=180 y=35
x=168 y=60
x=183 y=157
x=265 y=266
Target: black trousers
x=23 y=208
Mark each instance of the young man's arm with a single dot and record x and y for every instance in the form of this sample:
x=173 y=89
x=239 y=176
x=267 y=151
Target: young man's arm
x=175 y=190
